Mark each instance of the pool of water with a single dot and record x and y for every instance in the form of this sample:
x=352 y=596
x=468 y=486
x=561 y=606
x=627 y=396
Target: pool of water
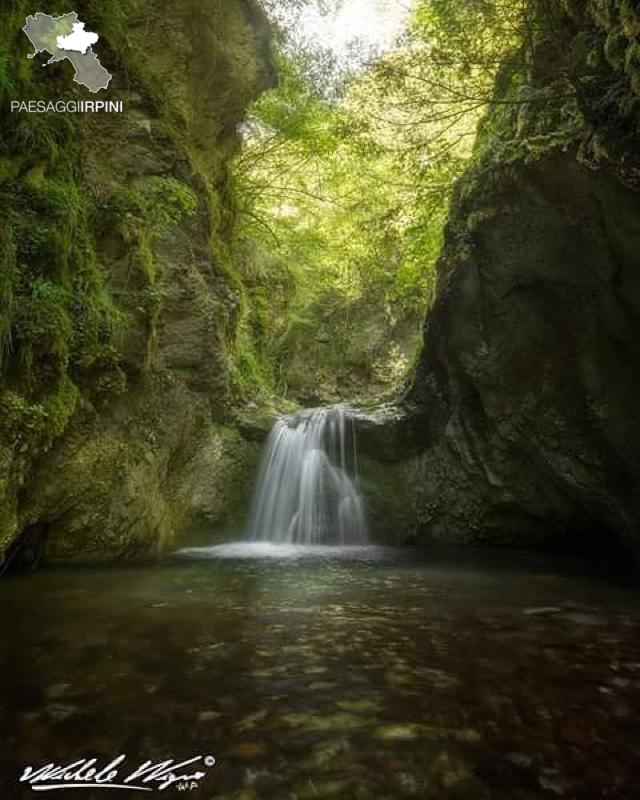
x=366 y=673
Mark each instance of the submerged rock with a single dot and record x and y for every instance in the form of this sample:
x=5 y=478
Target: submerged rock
x=543 y=611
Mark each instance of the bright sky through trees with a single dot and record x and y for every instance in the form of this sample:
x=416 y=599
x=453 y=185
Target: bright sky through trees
x=373 y=24
x=352 y=33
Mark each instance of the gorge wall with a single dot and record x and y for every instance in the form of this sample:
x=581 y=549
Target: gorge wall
x=120 y=303
x=522 y=425
x=121 y=306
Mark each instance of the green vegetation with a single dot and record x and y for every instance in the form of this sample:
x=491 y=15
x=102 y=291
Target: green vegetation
x=60 y=326
x=343 y=188
x=56 y=320
x=131 y=256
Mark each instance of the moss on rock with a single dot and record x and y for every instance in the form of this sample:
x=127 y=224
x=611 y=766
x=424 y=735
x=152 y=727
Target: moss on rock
x=117 y=310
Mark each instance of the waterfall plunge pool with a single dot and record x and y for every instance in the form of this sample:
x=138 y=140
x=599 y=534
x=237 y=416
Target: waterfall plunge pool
x=357 y=674
x=311 y=664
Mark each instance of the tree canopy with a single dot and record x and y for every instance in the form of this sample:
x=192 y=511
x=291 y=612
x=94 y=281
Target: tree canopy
x=345 y=175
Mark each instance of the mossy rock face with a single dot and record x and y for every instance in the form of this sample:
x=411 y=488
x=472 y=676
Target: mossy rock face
x=524 y=403
x=386 y=492
x=140 y=482
x=119 y=308
x=347 y=352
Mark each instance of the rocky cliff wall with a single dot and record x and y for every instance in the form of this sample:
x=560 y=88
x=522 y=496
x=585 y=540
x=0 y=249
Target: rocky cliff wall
x=120 y=303
x=522 y=425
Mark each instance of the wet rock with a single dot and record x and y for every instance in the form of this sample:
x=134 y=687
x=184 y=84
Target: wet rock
x=252 y=721
x=398 y=732
x=552 y=781
x=448 y=771
x=209 y=716
x=542 y=611
x=248 y=750
x=314 y=722
x=360 y=706
x=410 y=731
x=317 y=787
x=57 y=690
x=59 y=712
x=582 y=618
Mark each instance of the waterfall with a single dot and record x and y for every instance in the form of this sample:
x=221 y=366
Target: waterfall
x=307 y=490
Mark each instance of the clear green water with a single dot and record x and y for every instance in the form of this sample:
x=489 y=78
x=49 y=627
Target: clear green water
x=385 y=674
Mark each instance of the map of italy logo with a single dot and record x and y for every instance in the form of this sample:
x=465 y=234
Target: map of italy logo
x=65 y=37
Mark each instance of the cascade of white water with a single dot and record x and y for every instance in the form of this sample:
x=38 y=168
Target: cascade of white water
x=307 y=490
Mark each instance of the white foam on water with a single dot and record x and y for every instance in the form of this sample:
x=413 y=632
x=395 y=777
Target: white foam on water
x=262 y=550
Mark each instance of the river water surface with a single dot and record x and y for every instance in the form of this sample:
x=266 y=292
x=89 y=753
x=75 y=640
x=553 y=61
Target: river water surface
x=358 y=673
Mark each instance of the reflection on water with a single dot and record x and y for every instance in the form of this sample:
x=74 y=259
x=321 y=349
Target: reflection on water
x=369 y=673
